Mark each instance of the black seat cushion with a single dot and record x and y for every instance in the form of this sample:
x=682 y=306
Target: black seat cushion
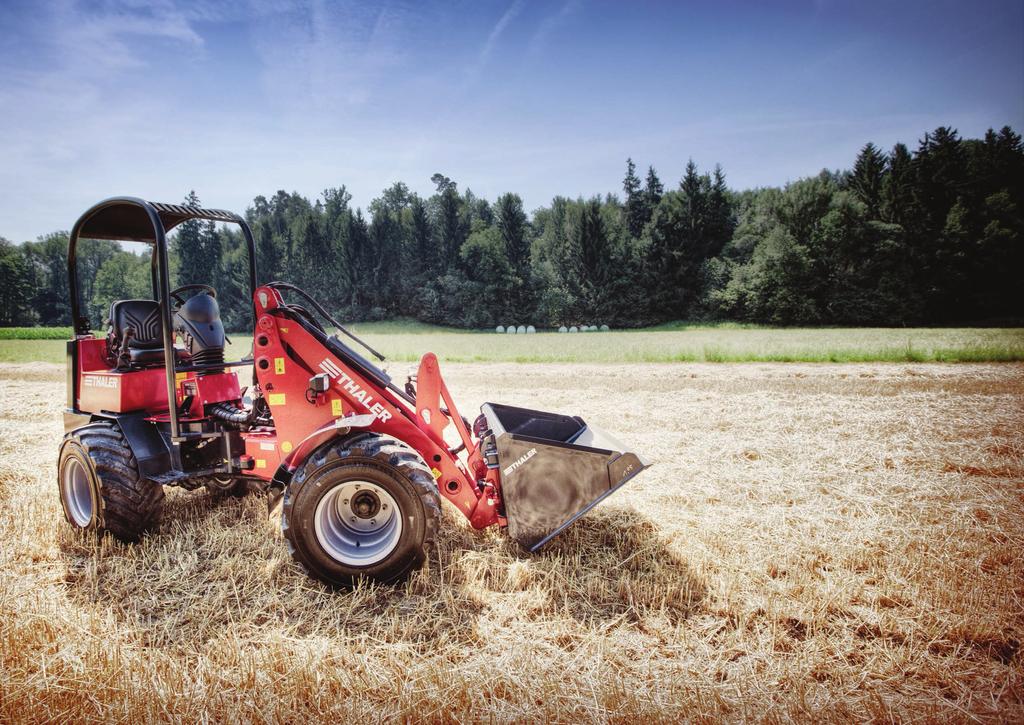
x=142 y=317
x=148 y=356
x=146 y=341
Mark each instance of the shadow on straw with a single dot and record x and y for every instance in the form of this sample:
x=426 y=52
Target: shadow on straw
x=217 y=567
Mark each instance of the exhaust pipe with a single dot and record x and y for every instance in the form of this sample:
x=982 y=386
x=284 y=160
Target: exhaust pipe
x=553 y=470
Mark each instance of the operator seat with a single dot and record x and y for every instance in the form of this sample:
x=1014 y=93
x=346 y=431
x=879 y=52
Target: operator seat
x=198 y=323
x=135 y=338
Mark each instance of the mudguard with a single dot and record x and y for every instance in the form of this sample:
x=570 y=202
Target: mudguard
x=151 y=449
x=325 y=434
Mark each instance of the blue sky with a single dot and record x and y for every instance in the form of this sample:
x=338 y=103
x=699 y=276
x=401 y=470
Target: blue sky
x=243 y=98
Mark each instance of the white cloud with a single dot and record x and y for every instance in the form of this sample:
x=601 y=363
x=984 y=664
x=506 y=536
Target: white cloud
x=550 y=24
x=244 y=98
x=499 y=27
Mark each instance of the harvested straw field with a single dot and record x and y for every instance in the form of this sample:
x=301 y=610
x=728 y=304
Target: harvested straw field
x=838 y=542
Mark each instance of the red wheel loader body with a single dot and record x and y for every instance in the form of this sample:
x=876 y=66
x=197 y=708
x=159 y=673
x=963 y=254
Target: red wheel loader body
x=259 y=419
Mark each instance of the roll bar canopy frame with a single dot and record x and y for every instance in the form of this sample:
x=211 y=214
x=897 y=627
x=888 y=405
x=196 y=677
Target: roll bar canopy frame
x=127 y=218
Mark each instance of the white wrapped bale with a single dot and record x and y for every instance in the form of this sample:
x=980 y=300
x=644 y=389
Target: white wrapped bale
x=573 y=329
x=511 y=330
x=563 y=328
x=500 y=329
x=605 y=328
x=521 y=330
x=530 y=329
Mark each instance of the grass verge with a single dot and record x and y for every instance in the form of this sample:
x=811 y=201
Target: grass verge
x=406 y=342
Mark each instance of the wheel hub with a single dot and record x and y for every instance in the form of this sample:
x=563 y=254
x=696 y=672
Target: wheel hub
x=358 y=523
x=77 y=491
x=365 y=504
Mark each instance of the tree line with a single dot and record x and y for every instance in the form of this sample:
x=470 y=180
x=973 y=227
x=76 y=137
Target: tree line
x=929 y=236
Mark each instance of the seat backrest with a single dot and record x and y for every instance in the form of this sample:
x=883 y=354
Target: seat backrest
x=142 y=317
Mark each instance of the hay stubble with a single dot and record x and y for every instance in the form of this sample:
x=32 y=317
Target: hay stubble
x=814 y=540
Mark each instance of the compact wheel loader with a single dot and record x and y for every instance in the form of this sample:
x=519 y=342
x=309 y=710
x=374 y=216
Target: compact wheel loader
x=359 y=463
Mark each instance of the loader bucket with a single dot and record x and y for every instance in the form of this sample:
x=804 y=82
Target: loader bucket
x=554 y=469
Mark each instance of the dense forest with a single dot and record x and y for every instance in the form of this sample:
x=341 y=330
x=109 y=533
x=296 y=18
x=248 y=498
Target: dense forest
x=930 y=236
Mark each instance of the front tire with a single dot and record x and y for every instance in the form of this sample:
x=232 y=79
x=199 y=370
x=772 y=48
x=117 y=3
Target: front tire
x=362 y=508
x=100 y=487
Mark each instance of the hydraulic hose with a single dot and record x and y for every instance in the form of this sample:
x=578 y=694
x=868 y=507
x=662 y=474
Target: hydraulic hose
x=230 y=413
x=316 y=306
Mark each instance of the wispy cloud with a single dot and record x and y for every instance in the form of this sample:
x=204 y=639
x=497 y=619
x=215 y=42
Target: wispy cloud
x=499 y=27
x=91 y=40
x=244 y=97
x=550 y=24
x=329 y=56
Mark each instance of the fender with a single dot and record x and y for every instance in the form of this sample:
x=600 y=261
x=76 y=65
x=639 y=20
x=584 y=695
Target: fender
x=324 y=434
x=151 y=450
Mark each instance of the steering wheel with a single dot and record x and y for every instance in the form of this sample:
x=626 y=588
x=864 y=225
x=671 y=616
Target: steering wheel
x=176 y=292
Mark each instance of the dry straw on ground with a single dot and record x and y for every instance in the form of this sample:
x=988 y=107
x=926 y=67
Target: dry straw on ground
x=827 y=542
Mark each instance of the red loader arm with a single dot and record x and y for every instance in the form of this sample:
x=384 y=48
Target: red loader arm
x=290 y=352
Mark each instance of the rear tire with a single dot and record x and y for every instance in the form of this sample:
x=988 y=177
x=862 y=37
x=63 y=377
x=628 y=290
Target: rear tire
x=366 y=507
x=221 y=487
x=99 y=484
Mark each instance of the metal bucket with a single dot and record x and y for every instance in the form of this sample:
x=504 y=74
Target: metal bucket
x=553 y=469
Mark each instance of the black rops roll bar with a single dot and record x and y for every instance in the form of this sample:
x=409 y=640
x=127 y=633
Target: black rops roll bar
x=127 y=218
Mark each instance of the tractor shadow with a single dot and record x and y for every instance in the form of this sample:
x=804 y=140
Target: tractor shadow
x=219 y=569
x=612 y=565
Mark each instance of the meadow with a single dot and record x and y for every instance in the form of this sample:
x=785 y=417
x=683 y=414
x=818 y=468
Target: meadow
x=407 y=341
x=813 y=542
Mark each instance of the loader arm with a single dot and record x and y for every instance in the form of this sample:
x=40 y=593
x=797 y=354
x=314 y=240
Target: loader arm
x=433 y=419
x=290 y=350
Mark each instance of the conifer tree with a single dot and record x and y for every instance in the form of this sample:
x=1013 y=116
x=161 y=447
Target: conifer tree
x=867 y=178
x=719 y=223
x=650 y=196
x=635 y=207
x=423 y=242
x=452 y=227
x=897 y=186
x=188 y=244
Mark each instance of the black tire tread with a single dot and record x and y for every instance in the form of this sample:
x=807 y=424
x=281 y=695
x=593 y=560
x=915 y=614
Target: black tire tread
x=128 y=504
x=238 y=489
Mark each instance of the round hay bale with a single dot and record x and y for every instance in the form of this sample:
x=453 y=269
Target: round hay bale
x=521 y=330
x=511 y=330
x=563 y=328
x=573 y=329
x=500 y=329
x=605 y=328
x=530 y=329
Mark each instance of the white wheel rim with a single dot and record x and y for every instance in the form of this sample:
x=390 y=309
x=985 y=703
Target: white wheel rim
x=358 y=523
x=77 y=491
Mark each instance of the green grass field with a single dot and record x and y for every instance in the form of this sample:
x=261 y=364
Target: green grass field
x=407 y=341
